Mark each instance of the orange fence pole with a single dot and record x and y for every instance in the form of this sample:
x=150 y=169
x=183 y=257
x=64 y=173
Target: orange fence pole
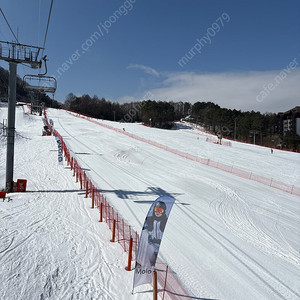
x=128 y=268
x=86 y=189
x=113 y=231
x=93 y=198
x=101 y=206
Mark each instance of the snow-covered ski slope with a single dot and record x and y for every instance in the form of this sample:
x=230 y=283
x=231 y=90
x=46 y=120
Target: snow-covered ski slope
x=226 y=238
x=51 y=243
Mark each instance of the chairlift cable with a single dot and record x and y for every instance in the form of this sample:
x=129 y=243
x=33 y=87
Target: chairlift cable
x=9 y=25
x=47 y=27
x=39 y=24
x=1 y=33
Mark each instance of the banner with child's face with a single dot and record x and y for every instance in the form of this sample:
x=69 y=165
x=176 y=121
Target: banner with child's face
x=150 y=239
x=60 y=151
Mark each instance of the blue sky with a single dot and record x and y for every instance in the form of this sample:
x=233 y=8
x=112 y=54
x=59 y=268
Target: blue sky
x=238 y=54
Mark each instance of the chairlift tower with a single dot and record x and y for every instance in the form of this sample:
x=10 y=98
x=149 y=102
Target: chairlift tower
x=15 y=53
x=253 y=133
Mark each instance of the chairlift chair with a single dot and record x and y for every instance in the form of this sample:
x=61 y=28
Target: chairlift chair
x=42 y=83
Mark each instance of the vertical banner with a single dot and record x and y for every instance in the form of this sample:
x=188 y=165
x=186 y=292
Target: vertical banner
x=150 y=239
x=44 y=121
x=60 y=151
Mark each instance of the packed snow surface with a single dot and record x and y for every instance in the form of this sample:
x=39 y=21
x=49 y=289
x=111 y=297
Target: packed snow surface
x=226 y=237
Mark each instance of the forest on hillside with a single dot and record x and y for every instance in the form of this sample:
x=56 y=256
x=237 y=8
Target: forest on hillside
x=229 y=123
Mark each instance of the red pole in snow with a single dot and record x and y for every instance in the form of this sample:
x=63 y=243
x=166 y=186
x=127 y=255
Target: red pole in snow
x=107 y=213
x=93 y=196
x=86 y=189
x=128 y=268
x=113 y=231
x=80 y=179
x=118 y=224
x=101 y=206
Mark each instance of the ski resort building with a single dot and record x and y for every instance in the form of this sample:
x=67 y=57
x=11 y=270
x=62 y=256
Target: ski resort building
x=290 y=121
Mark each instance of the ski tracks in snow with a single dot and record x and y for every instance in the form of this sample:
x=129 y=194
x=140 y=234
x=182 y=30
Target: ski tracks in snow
x=244 y=261
x=246 y=220
x=54 y=249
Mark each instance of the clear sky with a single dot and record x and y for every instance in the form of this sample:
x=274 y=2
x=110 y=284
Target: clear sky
x=238 y=54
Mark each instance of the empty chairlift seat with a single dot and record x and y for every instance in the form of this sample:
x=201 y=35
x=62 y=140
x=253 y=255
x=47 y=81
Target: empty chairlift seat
x=42 y=83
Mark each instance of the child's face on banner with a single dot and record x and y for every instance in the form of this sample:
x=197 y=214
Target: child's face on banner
x=158 y=211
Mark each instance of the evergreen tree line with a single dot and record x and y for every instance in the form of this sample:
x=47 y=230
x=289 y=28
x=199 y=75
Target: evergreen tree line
x=235 y=124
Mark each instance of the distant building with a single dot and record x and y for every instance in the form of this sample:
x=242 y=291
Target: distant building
x=290 y=121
